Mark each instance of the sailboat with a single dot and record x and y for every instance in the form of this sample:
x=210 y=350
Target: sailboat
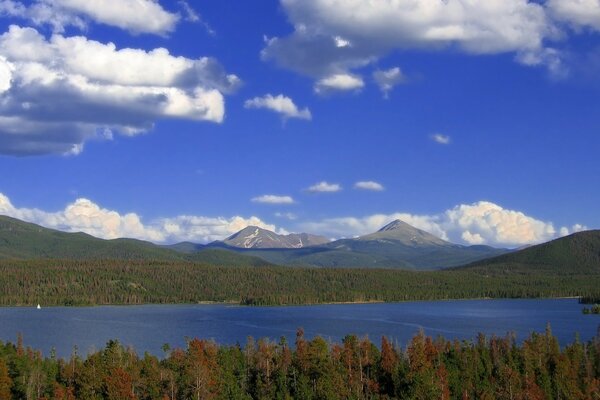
x=39 y=307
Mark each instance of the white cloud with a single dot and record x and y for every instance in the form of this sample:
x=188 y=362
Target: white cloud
x=340 y=82
x=486 y=222
x=341 y=42
x=564 y=231
x=388 y=79
x=273 y=199
x=84 y=215
x=472 y=238
x=191 y=14
x=325 y=187
x=66 y=90
x=377 y=28
x=136 y=16
x=478 y=223
x=42 y=12
x=440 y=139
x=280 y=104
x=369 y=185
x=578 y=13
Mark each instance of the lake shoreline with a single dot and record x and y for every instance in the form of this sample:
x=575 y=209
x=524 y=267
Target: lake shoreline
x=239 y=304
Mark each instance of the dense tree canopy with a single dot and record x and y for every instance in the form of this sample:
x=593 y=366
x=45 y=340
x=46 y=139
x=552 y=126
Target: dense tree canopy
x=78 y=282
x=487 y=368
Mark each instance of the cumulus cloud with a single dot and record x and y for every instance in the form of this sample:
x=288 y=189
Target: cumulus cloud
x=388 y=79
x=369 y=185
x=578 y=13
x=83 y=215
x=486 y=222
x=325 y=187
x=440 y=139
x=564 y=231
x=273 y=199
x=339 y=82
x=58 y=93
x=373 y=29
x=136 y=16
x=280 y=104
x=478 y=223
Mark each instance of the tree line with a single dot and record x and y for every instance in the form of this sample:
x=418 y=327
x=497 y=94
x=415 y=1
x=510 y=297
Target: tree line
x=486 y=368
x=93 y=282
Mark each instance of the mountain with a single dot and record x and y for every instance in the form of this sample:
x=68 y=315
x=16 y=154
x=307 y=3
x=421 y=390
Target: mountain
x=402 y=245
x=253 y=237
x=578 y=253
x=400 y=232
x=396 y=245
x=23 y=240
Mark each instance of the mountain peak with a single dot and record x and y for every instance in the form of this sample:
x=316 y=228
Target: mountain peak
x=395 y=225
x=254 y=237
x=247 y=230
x=400 y=231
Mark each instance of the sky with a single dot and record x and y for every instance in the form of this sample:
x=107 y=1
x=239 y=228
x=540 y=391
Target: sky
x=475 y=120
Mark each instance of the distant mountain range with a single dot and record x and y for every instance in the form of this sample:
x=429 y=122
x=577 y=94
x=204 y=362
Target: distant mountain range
x=78 y=269
x=396 y=245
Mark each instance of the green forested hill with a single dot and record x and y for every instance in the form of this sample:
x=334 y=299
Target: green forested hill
x=25 y=241
x=92 y=282
x=575 y=254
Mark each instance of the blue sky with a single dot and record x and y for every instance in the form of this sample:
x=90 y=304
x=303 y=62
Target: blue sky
x=487 y=133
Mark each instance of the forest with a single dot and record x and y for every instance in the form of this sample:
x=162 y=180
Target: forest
x=95 y=282
x=426 y=368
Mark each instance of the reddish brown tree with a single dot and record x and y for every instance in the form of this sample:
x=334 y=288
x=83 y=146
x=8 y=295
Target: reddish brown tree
x=5 y=381
x=119 y=385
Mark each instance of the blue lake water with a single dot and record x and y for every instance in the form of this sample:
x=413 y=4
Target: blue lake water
x=147 y=328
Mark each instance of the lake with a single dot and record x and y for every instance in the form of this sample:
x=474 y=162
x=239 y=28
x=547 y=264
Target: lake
x=148 y=327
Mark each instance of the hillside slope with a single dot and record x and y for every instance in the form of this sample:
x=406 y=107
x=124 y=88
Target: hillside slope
x=578 y=253
x=25 y=241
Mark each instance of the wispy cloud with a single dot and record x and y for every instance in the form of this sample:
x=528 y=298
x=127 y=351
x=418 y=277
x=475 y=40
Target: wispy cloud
x=325 y=187
x=280 y=104
x=194 y=16
x=273 y=199
x=369 y=185
x=388 y=79
x=339 y=82
x=441 y=139
x=287 y=215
